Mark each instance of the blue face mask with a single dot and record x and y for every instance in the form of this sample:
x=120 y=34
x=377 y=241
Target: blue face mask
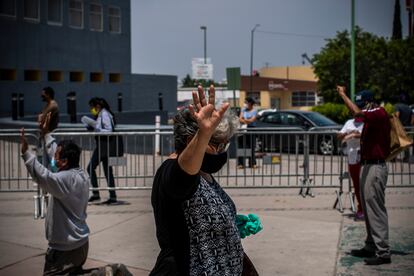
x=53 y=166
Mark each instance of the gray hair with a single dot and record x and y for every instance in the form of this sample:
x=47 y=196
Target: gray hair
x=185 y=127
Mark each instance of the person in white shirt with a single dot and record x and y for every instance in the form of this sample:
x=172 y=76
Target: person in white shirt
x=350 y=134
x=105 y=122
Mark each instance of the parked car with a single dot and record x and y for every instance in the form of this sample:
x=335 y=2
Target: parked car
x=261 y=112
x=291 y=120
x=183 y=104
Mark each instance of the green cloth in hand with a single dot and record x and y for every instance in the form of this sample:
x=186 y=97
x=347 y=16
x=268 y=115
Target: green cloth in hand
x=248 y=225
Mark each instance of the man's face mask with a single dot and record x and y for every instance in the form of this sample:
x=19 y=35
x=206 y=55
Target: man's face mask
x=212 y=163
x=59 y=163
x=94 y=112
x=53 y=165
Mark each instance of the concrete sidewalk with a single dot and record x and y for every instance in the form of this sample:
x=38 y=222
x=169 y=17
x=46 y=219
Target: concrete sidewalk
x=301 y=236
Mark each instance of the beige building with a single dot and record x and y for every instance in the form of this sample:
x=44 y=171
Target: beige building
x=291 y=87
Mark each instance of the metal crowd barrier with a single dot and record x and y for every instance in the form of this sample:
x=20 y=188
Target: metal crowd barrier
x=284 y=159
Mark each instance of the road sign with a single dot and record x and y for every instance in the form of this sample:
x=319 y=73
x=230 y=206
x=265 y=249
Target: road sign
x=233 y=78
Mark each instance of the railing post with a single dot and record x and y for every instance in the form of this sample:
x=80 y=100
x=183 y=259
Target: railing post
x=306 y=181
x=157 y=136
x=338 y=201
x=37 y=205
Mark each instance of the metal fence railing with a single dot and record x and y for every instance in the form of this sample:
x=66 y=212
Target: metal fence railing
x=284 y=159
x=259 y=158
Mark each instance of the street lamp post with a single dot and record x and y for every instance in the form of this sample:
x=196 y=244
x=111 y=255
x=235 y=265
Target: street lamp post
x=352 y=50
x=251 y=56
x=204 y=28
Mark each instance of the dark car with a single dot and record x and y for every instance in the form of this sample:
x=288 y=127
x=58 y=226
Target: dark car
x=295 y=120
x=183 y=104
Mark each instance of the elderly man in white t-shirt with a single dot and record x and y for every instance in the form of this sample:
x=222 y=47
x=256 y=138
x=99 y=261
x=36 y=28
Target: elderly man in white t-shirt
x=351 y=134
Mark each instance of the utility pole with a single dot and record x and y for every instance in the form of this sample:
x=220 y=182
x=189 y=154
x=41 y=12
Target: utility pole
x=352 y=50
x=204 y=28
x=409 y=7
x=251 y=57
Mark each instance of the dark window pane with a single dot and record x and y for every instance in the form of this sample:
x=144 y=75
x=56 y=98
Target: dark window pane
x=76 y=13
x=54 y=11
x=8 y=7
x=95 y=17
x=31 y=9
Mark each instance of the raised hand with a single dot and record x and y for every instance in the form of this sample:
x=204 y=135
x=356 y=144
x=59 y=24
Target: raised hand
x=205 y=113
x=341 y=90
x=348 y=102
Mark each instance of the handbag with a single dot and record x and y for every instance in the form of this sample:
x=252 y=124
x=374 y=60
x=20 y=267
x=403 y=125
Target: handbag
x=113 y=143
x=399 y=138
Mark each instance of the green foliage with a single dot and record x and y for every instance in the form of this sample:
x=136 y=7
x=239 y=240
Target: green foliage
x=189 y=82
x=340 y=113
x=337 y=112
x=398 y=70
x=383 y=66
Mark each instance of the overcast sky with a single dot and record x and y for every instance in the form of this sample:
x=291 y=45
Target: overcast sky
x=166 y=34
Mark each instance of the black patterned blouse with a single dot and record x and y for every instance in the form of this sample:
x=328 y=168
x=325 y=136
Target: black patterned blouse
x=195 y=222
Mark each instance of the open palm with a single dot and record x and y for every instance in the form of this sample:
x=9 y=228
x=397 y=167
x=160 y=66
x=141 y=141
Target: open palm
x=205 y=113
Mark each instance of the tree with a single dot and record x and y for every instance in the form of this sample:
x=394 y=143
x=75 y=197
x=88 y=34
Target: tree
x=396 y=24
x=189 y=82
x=332 y=64
x=398 y=69
x=381 y=65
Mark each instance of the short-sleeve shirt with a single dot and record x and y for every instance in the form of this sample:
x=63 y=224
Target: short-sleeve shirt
x=247 y=114
x=195 y=224
x=405 y=113
x=353 y=144
x=375 y=138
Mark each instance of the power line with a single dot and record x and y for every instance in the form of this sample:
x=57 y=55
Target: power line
x=292 y=34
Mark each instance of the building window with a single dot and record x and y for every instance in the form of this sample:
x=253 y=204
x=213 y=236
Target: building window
x=76 y=13
x=32 y=75
x=114 y=77
x=96 y=77
x=114 y=19
x=8 y=74
x=76 y=76
x=55 y=76
x=31 y=10
x=54 y=12
x=303 y=98
x=95 y=17
x=8 y=8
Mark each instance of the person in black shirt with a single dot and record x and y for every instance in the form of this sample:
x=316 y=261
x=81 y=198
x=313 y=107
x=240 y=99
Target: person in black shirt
x=403 y=111
x=406 y=116
x=195 y=218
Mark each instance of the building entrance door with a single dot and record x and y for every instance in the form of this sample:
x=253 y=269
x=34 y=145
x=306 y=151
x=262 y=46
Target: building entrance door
x=275 y=103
